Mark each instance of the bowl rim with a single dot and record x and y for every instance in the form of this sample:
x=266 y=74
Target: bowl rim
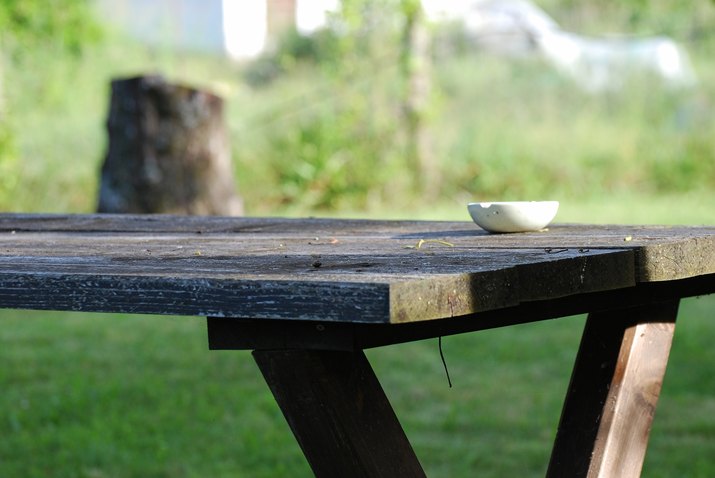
x=487 y=204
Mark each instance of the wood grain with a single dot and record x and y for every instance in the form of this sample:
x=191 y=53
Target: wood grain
x=226 y=333
x=338 y=413
x=324 y=269
x=613 y=392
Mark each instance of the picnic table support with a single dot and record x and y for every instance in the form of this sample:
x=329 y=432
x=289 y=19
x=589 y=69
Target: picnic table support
x=613 y=392
x=339 y=413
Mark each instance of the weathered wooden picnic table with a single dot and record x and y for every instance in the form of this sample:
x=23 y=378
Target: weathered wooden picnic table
x=308 y=295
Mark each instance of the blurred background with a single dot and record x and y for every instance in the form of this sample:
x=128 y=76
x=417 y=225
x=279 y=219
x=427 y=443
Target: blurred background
x=382 y=107
x=356 y=108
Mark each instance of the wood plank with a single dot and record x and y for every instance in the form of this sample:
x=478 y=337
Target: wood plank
x=164 y=223
x=196 y=297
x=613 y=392
x=689 y=257
x=663 y=252
x=238 y=288
x=339 y=413
x=566 y=235
x=258 y=277
x=226 y=333
x=181 y=255
x=573 y=272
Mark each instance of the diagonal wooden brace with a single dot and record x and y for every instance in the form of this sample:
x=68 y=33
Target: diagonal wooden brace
x=339 y=413
x=614 y=389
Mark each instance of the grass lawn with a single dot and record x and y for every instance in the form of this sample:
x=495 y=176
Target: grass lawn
x=93 y=395
x=96 y=395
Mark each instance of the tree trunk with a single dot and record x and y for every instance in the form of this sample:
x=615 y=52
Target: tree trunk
x=168 y=151
x=417 y=77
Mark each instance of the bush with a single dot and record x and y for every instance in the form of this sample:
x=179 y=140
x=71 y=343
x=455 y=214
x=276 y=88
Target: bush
x=30 y=24
x=293 y=49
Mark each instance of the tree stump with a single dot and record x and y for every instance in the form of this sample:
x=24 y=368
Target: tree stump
x=168 y=151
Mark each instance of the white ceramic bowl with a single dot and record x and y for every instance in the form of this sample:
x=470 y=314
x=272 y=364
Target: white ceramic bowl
x=513 y=216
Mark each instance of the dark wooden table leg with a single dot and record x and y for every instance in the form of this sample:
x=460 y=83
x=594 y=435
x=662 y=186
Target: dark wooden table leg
x=339 y=413
x=613 y=392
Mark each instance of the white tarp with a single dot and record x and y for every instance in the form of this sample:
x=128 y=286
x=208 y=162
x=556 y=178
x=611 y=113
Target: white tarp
x=518 y=27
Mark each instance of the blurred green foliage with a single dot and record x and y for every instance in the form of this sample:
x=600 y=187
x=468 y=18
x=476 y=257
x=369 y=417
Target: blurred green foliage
x=343 y=145
x=8 y=163
x=318 y=123
x=500 y=130
x=60 y=29
x=29 y=24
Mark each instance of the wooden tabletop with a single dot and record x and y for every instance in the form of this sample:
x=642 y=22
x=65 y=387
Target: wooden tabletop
x=325 y=269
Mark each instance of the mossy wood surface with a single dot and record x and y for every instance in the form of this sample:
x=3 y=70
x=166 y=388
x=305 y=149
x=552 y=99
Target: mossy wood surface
x=324 y=269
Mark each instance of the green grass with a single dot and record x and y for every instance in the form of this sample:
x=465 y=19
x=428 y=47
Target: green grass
x=93 y=395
